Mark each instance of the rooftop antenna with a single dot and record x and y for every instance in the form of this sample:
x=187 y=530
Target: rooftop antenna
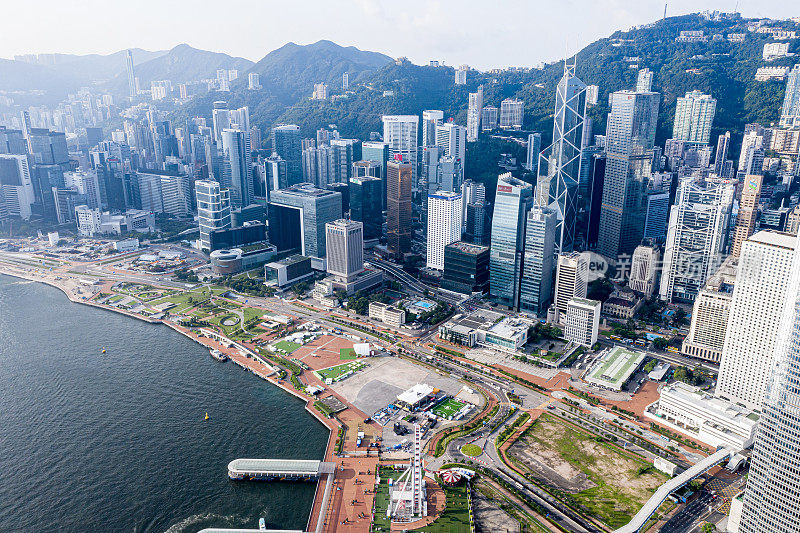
x=665 y=11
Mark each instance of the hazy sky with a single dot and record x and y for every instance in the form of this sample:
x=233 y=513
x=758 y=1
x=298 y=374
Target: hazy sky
x=483 y=34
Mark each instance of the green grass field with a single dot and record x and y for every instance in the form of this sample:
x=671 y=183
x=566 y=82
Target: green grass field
x=473 y=450
x=335 y=372
x=448 y=408
x=287 y=347
x=346 y=354
x=455 y=517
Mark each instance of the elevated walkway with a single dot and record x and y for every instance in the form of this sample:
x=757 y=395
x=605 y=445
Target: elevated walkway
x=280 y=469
x=655 y=501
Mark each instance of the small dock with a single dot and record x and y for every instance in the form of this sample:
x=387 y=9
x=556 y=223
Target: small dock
x=278 y=469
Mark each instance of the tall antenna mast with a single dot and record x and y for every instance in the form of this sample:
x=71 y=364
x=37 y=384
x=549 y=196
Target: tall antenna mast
x=665 y=11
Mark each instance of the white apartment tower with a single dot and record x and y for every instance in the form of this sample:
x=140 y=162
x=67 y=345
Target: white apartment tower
x=345 y=248
x=644 y=266
x=474 y=112
x=431 y=118
x=511 y=113
x=694 y=114
x=444 y=225
x=452 y=139
x=572 y=279
x=461 y=75
x=758 y=297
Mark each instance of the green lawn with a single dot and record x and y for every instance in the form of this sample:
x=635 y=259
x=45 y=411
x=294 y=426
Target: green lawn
x=287 y=347
x=346 y=354
x=455 y=517
x=473 y=450
x=335 y=372
x=381 y=522
x=447 y=408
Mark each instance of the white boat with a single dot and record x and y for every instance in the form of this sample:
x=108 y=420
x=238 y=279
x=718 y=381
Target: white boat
x=219 y=356
x=262 y=524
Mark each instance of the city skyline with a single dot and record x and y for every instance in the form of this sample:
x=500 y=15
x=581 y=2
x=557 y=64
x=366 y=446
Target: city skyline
x=421 y=37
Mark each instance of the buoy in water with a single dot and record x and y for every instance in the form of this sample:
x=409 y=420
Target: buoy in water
x=207 y=417
x=104 y=350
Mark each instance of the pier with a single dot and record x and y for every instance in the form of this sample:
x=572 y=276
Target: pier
x=280 y=469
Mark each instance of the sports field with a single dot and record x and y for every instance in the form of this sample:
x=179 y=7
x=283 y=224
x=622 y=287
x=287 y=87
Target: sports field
x=447 y=408
x=335 y=373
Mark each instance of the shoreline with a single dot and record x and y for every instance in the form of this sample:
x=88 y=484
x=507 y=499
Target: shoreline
x=252 y=365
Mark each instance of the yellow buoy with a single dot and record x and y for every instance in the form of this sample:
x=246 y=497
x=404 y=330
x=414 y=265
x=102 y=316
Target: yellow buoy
x=104 y=350
x=207 y=417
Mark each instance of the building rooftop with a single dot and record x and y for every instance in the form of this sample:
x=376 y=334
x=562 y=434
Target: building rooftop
x=306 y=190
x=509 y=327
x=292 y=259
x=616 y=367
x=784 y=240
x=468 y=248
x=585 y=302
x=415 y=393
x=719 y=407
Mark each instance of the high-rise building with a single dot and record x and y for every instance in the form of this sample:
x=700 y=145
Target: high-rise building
x=221 y=118
x=721 y=155
x=286 y=143
x=345 y=81
x=130 y=72
x=297 y=218
x=657 y=215
x=237 y=150
x=560 y=163
x=399 y=175
x=16 y=186
x=696 y=238
x=444 y=225
x=582 y=321
x=466 y=268
x=474 y=113
x=400 y=133
x=759 y=294
x=748 y=211
x=512 y=112
x=377 y=152
x=538 y=263
x=630 y=138
x=365 y=204
x=253 y=81
x=644 y=81
x=461 y=75
x=213 y=210
x=513 y=200
x=751 y=157
x=452 y=139
x=320 y=91
x=431 y=118
x=592 y=94
x=572 y=280
x=694 y=114
x=345 y=248
x=772 y=495
x=644 y=267
x=790 y=112
x=489 y=117
x=710 y=313
x=532 y=154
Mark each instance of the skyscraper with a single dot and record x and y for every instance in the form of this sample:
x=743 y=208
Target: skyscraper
x=696 y=238
x=644 y=81
x=452 y=139
x=213 y=210
x=221 y=118
x=444 y=225
x=345 y=81
x=751 y=157
x=511 y=113
x=461 y=75
x=748 y=211
x=474 y=113
x=431 y=118
x=400 y=133
x=365 y=204
x=560 y=163
x=297 y=218
x=572 y=279
x=759 y=294
x=772 y=496
x=532 y=154
x=236 y=146
x=286 y=143
x=398 y=206
x=790 y=112
x=630 y=137
x=513 y=200
x=131 y=75
x=694 y=114
x=539 y=261
x=721 y=155
x=253 y=82
x=345 y=248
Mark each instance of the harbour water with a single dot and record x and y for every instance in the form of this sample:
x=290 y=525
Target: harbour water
x=118 y=441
